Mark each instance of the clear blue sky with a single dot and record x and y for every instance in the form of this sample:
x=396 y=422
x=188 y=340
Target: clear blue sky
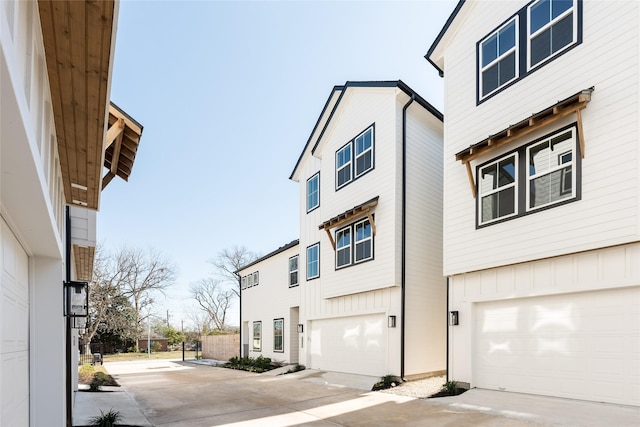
x=228 y=93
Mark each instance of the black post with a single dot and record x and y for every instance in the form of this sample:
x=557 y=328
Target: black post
x=67 y=262
x=183 y=351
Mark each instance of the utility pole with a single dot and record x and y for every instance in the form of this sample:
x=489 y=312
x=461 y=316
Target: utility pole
x=167 y=317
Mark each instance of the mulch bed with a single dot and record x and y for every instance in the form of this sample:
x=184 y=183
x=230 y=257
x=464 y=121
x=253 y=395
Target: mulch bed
x=445 y=393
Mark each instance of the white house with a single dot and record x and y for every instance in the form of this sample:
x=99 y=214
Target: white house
x=57 y=130
x=270 y=305
x=542 y=196
x=368 y=264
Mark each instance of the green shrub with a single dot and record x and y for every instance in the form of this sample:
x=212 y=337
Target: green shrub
x=108 y=419
x=450 y=387
x=259 y=364
x=296 y=368
x=387 y=381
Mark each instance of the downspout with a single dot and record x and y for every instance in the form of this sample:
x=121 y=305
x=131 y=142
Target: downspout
x=67 y=267
x=404 y=234
x=240 y=321
x=447 y=323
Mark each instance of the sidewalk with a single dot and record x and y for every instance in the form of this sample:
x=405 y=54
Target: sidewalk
x=89 y=404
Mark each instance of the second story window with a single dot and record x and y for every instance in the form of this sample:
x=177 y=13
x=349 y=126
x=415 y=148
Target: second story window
x=293 y=271
x=313 y=261
x=552 y=27
x=499 y=58
x=313 y=192
x=358 y=152
x=360 y=237
x=497 y=189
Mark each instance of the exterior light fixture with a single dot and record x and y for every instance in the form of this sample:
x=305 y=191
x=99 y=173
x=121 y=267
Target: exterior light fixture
x=453 y=318
x=300 y=328
x=391 y=321
x=76 y=303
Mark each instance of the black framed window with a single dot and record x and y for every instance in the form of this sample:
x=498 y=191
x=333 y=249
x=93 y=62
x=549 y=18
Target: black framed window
x=355 y=158
x=354 y=243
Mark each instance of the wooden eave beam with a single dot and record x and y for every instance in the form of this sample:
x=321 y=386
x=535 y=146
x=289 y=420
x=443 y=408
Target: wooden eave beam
x=115 y=131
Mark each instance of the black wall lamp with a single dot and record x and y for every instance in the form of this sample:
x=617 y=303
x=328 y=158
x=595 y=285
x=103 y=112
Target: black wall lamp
x=391 y=321
x=453 y=318
x=76 y=303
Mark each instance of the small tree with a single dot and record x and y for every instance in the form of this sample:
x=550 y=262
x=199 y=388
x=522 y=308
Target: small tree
x=213 y=299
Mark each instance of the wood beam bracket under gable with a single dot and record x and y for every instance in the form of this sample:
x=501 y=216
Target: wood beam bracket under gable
x=572 y=105
x=364 y=209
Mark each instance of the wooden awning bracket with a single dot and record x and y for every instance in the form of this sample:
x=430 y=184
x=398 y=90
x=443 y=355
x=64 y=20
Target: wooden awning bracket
x=572 y=105
x=364 y=209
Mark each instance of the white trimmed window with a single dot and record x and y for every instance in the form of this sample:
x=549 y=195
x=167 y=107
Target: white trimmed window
x=537 y=175
x=552 y=27
x=359 y=152
x=313 y=192
x=313 y=261
x=363 y=241
x=550 y=166
x=497 y=189
x=243 y=282
x=278 y=335
x=293 y=271
x=358 y=236
x=257 y=336
x=499 y=58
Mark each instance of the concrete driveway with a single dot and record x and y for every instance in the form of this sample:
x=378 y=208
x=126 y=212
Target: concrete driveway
x=183 y=394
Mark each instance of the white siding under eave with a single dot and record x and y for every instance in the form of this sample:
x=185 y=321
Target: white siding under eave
x=426 y=297
x=608 y=213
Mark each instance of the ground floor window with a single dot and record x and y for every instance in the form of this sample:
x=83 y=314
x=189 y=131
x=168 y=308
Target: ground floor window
x=257 y=336
x=278 y=335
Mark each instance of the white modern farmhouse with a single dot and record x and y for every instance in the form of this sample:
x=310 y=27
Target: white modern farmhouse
x=58 y=136
x=367 y=269
x=542 y=196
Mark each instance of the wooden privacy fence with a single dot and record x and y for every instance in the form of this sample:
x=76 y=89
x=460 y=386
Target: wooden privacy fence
x=220 y=347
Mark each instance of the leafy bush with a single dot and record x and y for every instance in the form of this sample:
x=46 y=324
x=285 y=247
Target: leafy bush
x=296 y=368
x=156 y=346
x=450 y=387
x=259 y=364
x=108 y=419
x=387 y=381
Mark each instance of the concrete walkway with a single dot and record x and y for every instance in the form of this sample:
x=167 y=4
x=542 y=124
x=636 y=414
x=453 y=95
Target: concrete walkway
x=171 y=393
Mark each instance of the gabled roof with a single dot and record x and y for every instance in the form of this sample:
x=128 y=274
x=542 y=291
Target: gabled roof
x=282 y=248
x=333 y=102
x=441 y=35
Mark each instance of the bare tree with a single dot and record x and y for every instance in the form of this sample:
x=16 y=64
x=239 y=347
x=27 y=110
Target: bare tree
x=214 y=299
x=230 y=260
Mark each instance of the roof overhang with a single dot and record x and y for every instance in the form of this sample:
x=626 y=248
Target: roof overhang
x=121 y=144
x=348 y=216
x=571 y=105
x=435 y=54
x=79 y=42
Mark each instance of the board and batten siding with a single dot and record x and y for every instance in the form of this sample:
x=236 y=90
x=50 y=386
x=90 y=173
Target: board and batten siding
x=271 y=299
x=608 y=212
x=426 y=298
x=570 y=278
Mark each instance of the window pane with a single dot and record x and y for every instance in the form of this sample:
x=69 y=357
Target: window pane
x=363 y=250
x=313 y=262
x=344 y=156
x=540 y=15
x=363 y=231
x=343 y=256
x=363 y=142
x=541 y=47
x=490 y=79
x=560 y=6
x=507 y=69
x=489 y=50
x=344 y=175
x=507 y=38
x=312 y=192
x=363 y=163
x=506 y=171
x=562 y=33
x=498 y=204
x=551 y=187
x=539 y=159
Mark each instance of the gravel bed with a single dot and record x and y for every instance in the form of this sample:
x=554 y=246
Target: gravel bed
x=418 y=388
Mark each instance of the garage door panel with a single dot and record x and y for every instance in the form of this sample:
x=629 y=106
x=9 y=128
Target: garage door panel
x=582 y=345
x=355 y=344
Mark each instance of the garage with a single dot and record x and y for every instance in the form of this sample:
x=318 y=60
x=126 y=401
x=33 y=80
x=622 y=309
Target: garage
x=580 y=345
x=14 y=334
x=354 y=344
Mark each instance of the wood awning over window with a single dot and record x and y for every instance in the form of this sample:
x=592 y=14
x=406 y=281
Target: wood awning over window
x=348 y=216
x=572 y=105
x=120 y=145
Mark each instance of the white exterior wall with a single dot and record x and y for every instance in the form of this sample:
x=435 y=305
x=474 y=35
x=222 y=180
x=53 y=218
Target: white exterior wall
x=32 y=330
x=426 y=289
x=345 y=311
x=271 y=299
x=608 y=213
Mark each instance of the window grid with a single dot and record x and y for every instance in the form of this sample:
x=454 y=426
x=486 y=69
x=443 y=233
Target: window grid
x=363 y=241
x=343 y=247
x=554 y=12
x=278 y=335
x=493 y=182
x=313 y=192
x=355 y=158
x=505 y=52
x=358 y=236
x=293 y=271
x=257 y=336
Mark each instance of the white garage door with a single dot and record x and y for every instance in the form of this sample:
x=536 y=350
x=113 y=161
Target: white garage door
x=356 y=345
x=14 y=330
x=582 y=346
